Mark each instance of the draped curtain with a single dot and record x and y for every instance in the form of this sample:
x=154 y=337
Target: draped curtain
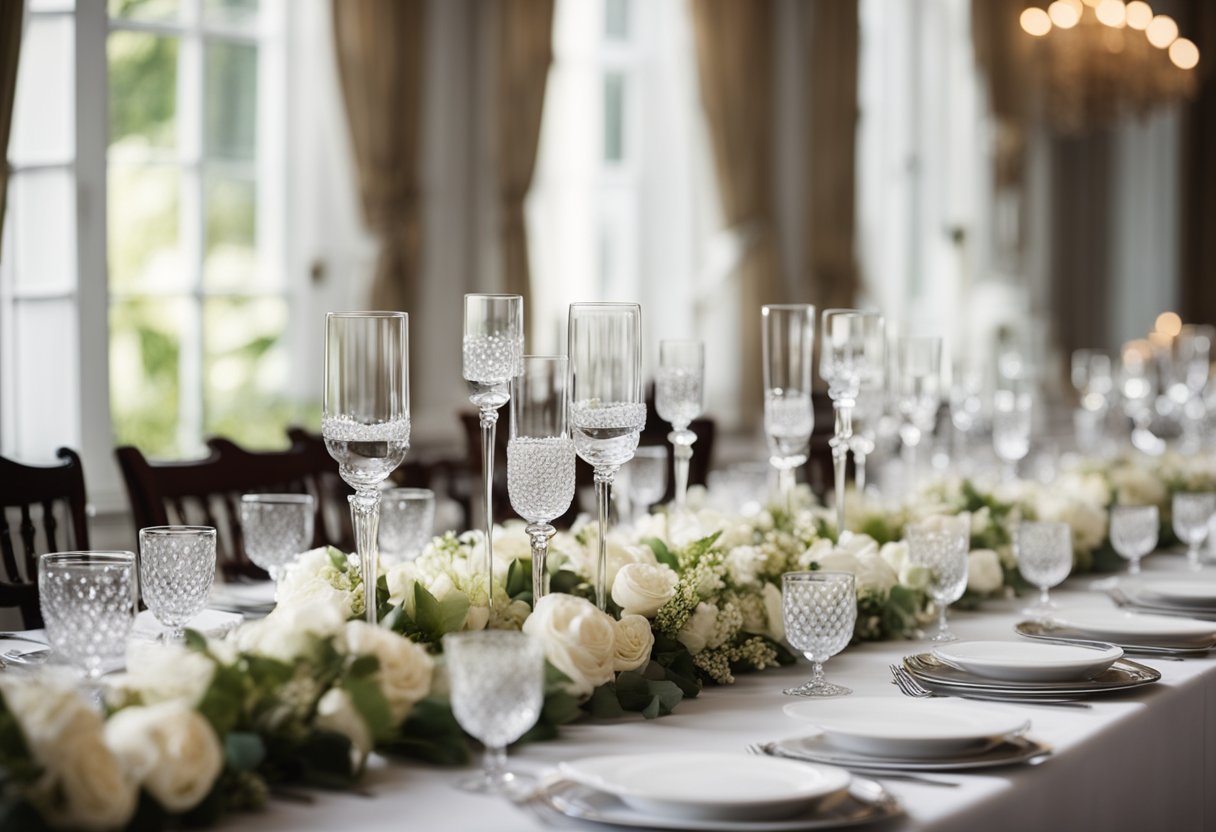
x=1199 y=174
x=735 y=43
x=10 y=51
x=380 y=63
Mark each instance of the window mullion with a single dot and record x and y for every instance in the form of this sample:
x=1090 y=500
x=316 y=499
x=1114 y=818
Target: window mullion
x=190 y=122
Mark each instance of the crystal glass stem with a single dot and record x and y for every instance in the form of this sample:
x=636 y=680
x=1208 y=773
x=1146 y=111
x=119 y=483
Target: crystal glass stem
x=943 y=630
x=495 y=761
x=489 y=419
x=785 y=484
x=840 y=454
x=365 y=515
x=1133 y=568
x=1192 y=557
x=540 y=534
x=603 y=497
x=909 y=454
x=859 y=471
x=681 y=440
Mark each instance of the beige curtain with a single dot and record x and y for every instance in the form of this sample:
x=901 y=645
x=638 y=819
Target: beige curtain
x=735 y=59
x=524 y=54
x=10 y=50
x=831 y=262
x=380 y=62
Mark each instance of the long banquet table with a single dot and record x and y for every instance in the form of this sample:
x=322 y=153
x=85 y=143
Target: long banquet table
x=1142 y=760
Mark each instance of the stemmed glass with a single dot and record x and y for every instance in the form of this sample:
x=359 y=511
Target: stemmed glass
x=1191 y=515
x=1138 y=387
x=851 y=355
x=497 y=679
x=88 y=602
x=679 y=398
x=647 y=477
x=366 y=418
x=176 y=570
x=939 y=545
x=789 y=418
x=966 y=408
x=493 y=352
x=407 y=517
x=1133 y=533
x=1192 y=350
x=1044 y=555
x=1094 y=382
x=820 y=612
x=540 y=454
x=607 y=411
x=918 y=393
x=1011 y=428
x=276 y=528
x=866 y=415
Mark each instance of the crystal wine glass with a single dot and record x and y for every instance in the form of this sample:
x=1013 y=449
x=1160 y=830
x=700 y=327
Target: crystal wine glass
x=407 y=518
x=789 y=418
x=176 y=569
x=851 y=355
x=88 y=602
x=939 y=545
x=1133 y=533
x=1191 y=514
x=493 y=350
x=820 y=612
x=1092 y=378
x=1192 y=350
x=866 y=415
x=366 y=420
x=1138 y=382
x=497 y=679
x=276 y=528
x=647 y=477
x=966 y=408
x=607 y=411
x=1011 y=428
x=1044 y=555
x=679 y=398
x=540 y=454
x=918 y=393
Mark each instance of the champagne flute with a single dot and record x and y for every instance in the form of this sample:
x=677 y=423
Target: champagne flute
x=789 y=418
x=679 y=398
x=493 y=352
x=366 y=418
x=607 y=411
x=918 y=393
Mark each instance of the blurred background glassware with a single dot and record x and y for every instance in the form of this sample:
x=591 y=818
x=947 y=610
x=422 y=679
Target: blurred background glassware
x=1190 y=368
x=742 y=486
x=789 y=417
x=1133 y=533
x=88 y=602
x=407 y=521
x=1011 y=422
x=679 y=397
x=939 y=546
x=1043 y=551
x=1093 y=379
x=497 y=691
x=918 y=395
x=607 y=410
x=176 y=570
x=966 y=409
x=276 y=528
x=820 y=613
x=366 y=417
x=1138 y=385
x=867 y=413
x=1192 y=513
x=540 y=454
x=647 y=478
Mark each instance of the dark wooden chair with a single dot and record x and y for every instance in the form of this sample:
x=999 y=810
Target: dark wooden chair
x=37 y=493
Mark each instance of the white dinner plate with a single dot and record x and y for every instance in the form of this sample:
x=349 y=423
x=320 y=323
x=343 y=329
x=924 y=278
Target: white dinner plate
x=708 y=786
x=1141 y=628
x=817 y=749
x=1027 y=661
x=911 y=728
x=1189 y=593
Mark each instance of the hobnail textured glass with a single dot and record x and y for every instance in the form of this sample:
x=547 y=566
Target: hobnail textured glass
x=1133 y=532
x=540 y=476
x=940 y=545
x=820 y=612
x=1044 y=555
x=176 y=568
x=276 y=528
x=407 y=516
x=497 y=691
x=1191 y=515
x=88 y=604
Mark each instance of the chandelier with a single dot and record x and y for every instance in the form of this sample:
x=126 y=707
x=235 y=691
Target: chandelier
x=1097 y=60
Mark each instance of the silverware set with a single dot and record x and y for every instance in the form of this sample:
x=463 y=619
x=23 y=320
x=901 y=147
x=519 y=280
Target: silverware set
x=909 y=686
x=770 y=750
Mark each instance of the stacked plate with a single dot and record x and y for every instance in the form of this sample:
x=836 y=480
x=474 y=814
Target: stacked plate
x=718 y=792
x=1194 y=598
x=1147 y=634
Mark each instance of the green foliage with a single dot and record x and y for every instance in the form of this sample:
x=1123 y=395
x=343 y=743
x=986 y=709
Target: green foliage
x=431 y=734
x=662 y=554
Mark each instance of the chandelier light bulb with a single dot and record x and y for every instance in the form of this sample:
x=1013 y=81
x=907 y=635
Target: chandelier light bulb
x=1112 y=13
x=1168 y=323
x=1065 y=14
x=1162 y=31
x=1035 y=21
x=1139 y=14
x=1184 y=53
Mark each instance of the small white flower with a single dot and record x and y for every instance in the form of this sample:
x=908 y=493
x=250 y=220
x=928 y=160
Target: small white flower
x=984 y=574
x=632 y=643
x=642 y=588
x=579 y=640
x=170 y=749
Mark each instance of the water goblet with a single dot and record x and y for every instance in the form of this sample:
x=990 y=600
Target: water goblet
x=540 y=454
x=1133 y=533
x=607 y=411
x=497 y=681
x=679 y=398
x=1191 y=512
x=789 y=417
x=1044 y=554
x=176 y=569
x=366 y=419
x=276 y=528
x=820 y=612
x=940 y=545
x=1011 y=428
x=88 y=602
x=917 y=394
x=647 y=477
x=407 y=518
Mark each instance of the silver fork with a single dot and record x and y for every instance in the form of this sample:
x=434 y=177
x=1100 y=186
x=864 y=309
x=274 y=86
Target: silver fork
x=908 y=686
x=766 y=750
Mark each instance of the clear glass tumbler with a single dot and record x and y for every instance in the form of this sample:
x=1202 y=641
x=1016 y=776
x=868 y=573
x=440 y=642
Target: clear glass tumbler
x=1044 y=555
x=820 y=613
x=940 y=546
x=1192 y=511
x=1133 y=533
x=176 y=570
x=88 y=602
x=407 y=519
x=276 y=529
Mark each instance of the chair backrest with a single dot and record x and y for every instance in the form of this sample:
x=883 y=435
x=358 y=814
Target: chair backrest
x=33 y=496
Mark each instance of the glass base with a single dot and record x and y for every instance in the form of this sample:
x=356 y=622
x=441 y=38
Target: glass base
x=507 y=783
x=818 y=687
x=942 y=635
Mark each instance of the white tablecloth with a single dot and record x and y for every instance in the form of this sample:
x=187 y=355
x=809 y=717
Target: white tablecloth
x=1144 y=760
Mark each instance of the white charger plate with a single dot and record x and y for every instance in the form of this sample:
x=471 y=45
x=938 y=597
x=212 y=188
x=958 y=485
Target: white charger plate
x=1190 y=593
x=909 y=728
x=1141 y=628
x=708 y=786
x=1026 y=661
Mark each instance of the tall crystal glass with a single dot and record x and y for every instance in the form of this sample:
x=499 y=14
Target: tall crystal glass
x=1192 y=352
x=176 y=569
x=820 y=613
x=88 y=602
x=789 y=418
x=1133 y=533
x=366 y=418
x=679 y=398
x=851 y=355
x=966 y=408
x=939 y=545
x=493 y=352
x=866 y=415
x=1138 y=383
x=918 y=394
x=607 y=411
x=1092 y=378
x=1044 y=554
x=1191 y=513
x=540 y=454
x=276 y=528
x=1011 y=416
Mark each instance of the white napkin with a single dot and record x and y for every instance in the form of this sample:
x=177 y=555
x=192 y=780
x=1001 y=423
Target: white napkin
x=212 y=623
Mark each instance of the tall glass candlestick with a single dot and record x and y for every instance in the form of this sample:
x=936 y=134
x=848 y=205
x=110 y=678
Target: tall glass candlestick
x=679 y=398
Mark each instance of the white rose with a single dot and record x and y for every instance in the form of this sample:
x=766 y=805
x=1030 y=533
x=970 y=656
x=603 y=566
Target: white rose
x=875 y=574
x=97 y=792
x=632 y=644
x=313 y=593
x=405 y=669
x=984 y=574
x=170 y=749
x=773 y=611
x=895 y=554
x=289 y=632
x=510 y=615
x=981 y=521
x=857 y=544
x=642 y=588
x=337 y=713
x=696 y=632
x=1137 y=486
x=839 y=561
x=478 y=617
x=579 y=639
x=401 y=578
x=815 y=552
x=161 y=671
